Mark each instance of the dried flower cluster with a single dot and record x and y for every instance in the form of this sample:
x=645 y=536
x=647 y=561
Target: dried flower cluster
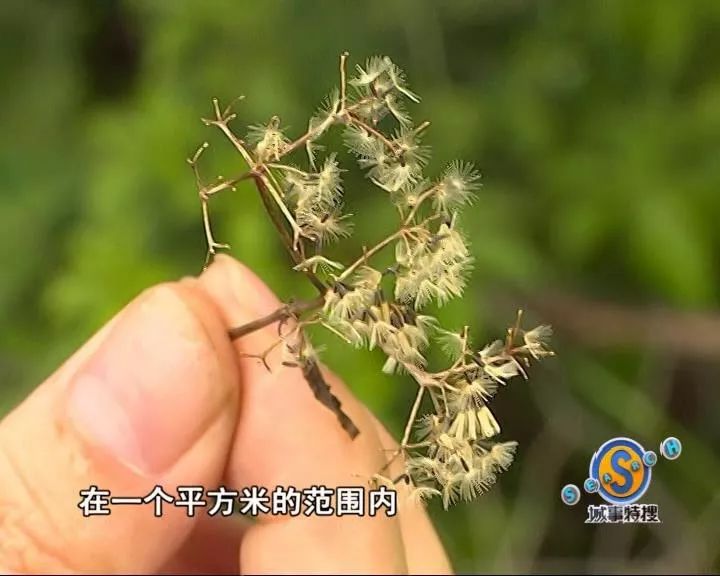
x=455 y=455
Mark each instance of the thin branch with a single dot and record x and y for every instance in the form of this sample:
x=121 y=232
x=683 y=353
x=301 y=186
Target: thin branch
x=413 y=415
x=287 y=168
x=267 y=191
x=343 y=81
x=424 y=196
x=422 y=127
x=212 y=244
x=512 y=333
x=357 y=121
x=408 y=429
x=312 y=134
x=275 y=195
x=338 y=113
x=321 y=390
x=291 y=310
x=309 y=135
x=369 y=254
x=227 y=112
x=208 y=191
x=273 y=181
x=265 y=353
x=297 y=256
x=221 y=122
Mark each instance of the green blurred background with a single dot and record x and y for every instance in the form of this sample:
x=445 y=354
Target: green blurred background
x=596 y=126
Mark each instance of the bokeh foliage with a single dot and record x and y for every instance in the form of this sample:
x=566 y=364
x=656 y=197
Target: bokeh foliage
x=596 y=126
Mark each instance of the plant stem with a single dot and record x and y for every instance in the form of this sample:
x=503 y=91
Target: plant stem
x=424 y=196
x=369 y=254
x=283 y=313
x=208 y=191
x=382 y=244
x=288 y=168
x=343 y=86
x=321 y=391
x=308 y=135
x=413 y=415
x=379 y=135
x=408 y=429
x=297 y=256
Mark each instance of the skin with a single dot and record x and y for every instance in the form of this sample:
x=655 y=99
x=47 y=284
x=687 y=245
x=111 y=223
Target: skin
x=161 y=396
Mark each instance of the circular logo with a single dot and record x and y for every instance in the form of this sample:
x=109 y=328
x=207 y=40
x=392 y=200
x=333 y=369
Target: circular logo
x=620 y=471
x=650 y=458
x=591 y=485
x=670 y=448
x=570 y=494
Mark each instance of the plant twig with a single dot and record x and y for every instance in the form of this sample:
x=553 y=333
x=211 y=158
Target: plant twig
x=369 y=254
x=353 y=119
x=424 y=196
x=297 y=255
x=212 y=244
x=207 y=191
x=275 y=195
x=408 y=429
x=291 y=310
x=343 y=81
x=321 y=390
x=221 y=121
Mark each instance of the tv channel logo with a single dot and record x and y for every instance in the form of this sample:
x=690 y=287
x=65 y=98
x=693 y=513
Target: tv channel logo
x=620 y=472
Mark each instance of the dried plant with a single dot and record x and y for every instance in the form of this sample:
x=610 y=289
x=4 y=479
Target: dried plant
x=454 y=454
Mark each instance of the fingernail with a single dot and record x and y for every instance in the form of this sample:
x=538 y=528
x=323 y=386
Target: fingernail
x=152 y=386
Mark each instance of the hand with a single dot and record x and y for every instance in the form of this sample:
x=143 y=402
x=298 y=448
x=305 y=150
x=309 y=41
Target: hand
x=161 y=396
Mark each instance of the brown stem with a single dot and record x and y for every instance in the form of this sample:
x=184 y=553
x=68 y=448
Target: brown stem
x=331 y=117
x=208 y=191
x=307 y=136
x=212 y=244
x=257 y=172
x=402 y=478
x=283 y=313
x=379 y=135
x=297 y=255
x=369 y=254
x=321 y=391
x=408 y=429
x=221 y=121
x=424 y=196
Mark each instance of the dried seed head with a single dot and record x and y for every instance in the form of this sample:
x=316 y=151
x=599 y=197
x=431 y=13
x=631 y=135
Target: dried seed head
x=269 y=140
x=457 y=186
x=536 y=341
x=323 y=227
x=383 y=306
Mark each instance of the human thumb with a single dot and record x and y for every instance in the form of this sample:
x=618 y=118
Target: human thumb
x=150 y=400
